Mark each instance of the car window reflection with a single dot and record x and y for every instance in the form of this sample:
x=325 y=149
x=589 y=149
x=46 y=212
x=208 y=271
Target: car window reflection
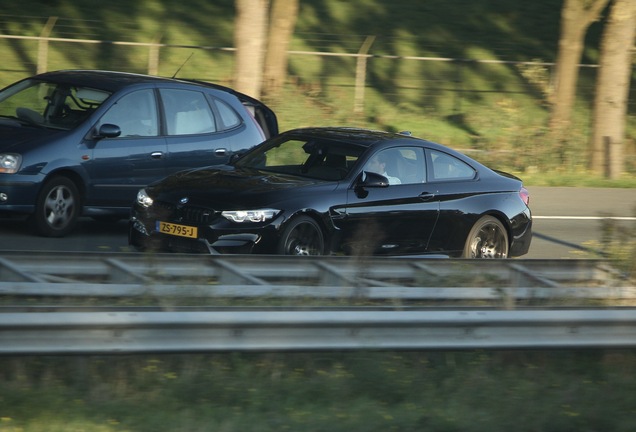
x=447 y=167
x=50 y=105
x=135 y=114
x=400 y=165
x=322 y=160
x=187 y=112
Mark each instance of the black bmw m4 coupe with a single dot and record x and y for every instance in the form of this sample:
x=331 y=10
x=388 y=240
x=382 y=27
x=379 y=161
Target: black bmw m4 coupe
x=318 y=191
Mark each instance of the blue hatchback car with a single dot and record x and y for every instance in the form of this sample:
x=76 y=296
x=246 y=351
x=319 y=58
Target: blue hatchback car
x=82 y=142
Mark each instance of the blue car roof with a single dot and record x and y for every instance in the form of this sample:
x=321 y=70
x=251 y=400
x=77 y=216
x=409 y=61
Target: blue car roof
x=104 y=80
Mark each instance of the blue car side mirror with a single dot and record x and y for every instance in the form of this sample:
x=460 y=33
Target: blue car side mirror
x=108 y=130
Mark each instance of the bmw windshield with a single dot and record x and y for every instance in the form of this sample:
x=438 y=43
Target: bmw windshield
x=46 y=104
x=312 y=158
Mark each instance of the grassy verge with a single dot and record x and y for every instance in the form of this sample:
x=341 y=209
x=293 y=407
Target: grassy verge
x=581 y=178
x=368 y=391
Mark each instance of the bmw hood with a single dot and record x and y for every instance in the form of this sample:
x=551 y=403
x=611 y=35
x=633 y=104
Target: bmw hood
x=229 y=185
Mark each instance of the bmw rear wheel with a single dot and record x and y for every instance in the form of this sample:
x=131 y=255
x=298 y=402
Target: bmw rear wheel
x=487 y=239
x=302 y=236
x=57 y=208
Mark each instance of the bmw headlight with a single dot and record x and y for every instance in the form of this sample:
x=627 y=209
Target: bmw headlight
x=143 y=199
x=260 y=215
x=10 y=163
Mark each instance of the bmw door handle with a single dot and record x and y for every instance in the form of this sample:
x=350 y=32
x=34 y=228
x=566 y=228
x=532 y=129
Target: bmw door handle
x=426 y=196
x=156 y=155
x=220 y=152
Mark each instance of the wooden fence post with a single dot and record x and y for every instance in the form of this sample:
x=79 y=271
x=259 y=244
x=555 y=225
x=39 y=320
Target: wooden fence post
x=361 y=72
x=153 y=56
x=43 y=45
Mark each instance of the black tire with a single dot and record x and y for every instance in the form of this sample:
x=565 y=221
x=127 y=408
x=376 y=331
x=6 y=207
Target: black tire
x=487 y=239
x=57 y=208
x=302 y=236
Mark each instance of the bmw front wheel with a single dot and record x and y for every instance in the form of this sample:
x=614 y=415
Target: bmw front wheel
x=302 y=236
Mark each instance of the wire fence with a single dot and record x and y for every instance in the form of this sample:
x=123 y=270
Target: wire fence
x=61 y=41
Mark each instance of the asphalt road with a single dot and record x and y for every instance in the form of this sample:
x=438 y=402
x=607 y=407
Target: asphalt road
x=567 y=224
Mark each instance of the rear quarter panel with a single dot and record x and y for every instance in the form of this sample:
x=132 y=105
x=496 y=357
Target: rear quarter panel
x=463 y=203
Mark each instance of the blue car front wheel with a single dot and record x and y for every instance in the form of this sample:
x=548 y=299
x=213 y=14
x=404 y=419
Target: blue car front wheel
x=57 y=208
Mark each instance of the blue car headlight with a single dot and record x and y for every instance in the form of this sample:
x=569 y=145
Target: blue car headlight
x=10 y=163
x=260 y=215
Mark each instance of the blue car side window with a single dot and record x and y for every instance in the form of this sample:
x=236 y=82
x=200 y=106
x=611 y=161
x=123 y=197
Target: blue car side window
x=187 y=112
x=135 y=114
x=229 y=117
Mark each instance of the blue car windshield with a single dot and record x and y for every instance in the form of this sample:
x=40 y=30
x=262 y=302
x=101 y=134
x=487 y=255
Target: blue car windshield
x=305 y=157
x=46 y=104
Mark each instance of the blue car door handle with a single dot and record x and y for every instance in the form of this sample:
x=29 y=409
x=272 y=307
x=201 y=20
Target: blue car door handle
x=426 y=196
x=220 y=152
x=156 y=155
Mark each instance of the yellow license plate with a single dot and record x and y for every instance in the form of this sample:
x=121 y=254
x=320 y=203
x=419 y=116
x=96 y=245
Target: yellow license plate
x=177 y=230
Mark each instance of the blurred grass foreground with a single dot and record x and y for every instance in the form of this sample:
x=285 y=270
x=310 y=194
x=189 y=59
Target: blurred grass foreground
x=363 y=391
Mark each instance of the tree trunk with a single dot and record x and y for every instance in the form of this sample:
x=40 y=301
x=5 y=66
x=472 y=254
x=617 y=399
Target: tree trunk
x=249 y=39
x=576 y=17
x=282 y=23
x=612 y=90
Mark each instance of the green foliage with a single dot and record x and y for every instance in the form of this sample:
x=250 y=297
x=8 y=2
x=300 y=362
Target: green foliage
x=471 y=391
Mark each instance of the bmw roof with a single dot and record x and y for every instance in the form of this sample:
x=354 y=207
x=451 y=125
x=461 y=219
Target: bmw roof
x=359 y=136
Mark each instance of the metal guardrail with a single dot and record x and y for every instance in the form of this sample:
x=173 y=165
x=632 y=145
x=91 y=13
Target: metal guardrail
x=172 y=332
x=157 y=275
x=92 y=330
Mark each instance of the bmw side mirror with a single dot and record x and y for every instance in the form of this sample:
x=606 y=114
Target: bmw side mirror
x=368 y=180
x=108 y=130
x=372 y=180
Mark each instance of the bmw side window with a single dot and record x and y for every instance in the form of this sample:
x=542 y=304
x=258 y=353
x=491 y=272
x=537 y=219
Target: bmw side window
x=447 y=167
x=229 y=118
x=400 y=165
x=187 y=112
x=410 y=165
x=135 y=114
